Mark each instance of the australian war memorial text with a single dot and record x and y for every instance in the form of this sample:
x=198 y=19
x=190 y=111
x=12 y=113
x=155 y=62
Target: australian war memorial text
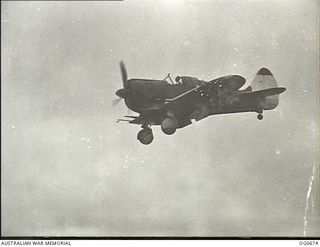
x=35 y=243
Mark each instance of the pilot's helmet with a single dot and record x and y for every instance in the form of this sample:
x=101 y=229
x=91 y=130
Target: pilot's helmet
x=178 y=79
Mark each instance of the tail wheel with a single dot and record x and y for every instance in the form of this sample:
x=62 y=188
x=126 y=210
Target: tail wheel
x=260 y=116
x=145 y=136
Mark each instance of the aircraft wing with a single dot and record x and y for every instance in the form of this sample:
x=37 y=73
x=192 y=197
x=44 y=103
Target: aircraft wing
x=180 y=99
x=226 y=84
x=183 y=95
x=229 y=84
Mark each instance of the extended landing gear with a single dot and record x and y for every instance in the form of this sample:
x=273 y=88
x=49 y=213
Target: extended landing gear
x=145 y=136
x=260 y=116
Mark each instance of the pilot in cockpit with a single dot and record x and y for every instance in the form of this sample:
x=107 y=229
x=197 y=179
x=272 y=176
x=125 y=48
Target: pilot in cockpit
x=178 y=80
x=183 y=80
x=186 y=80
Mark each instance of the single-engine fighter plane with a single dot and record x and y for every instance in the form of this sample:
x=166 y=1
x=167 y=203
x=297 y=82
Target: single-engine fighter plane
x=173 y=105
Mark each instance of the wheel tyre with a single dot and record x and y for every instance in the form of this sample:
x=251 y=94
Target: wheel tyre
x=260 y=116
x=145 y=136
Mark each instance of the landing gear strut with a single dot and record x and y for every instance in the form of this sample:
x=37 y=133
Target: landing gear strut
x=145 y=136
x=260 y=116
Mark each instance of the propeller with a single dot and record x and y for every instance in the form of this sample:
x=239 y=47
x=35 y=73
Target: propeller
x=123 y=74
x=121 y=93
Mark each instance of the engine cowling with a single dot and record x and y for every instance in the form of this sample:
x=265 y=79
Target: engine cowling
x=169 y=125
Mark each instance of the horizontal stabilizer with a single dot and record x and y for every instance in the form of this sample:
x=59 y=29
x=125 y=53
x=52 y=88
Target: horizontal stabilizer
x=264 y=92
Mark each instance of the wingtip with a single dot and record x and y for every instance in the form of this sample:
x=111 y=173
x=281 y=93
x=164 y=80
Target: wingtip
x=264 y=71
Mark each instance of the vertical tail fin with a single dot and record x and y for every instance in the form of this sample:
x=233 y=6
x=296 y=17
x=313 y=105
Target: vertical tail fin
x=263 y=80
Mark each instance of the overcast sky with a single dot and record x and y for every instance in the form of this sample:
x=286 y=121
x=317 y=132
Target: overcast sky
x=68 y=169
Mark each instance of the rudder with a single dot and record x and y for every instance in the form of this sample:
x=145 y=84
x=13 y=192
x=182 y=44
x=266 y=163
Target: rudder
x=263 y=80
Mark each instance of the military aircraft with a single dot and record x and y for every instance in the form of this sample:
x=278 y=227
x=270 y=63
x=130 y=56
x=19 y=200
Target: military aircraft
x=173 y=105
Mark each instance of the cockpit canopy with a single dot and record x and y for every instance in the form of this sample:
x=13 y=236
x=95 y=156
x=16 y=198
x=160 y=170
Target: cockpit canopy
x=188 y=80
x=183 y=80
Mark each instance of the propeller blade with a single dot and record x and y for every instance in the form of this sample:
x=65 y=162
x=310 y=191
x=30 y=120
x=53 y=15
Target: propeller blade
x=115 y=102
x=123 y=74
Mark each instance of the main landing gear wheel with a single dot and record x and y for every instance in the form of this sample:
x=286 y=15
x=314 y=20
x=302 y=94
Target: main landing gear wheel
x=260 y=116
x=145 y=136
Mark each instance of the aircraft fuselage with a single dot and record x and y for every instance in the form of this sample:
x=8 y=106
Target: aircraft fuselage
x=214 y=99
x=174 y=105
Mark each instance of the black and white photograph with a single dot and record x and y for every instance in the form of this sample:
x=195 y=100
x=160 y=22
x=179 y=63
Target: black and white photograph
x=160 y=119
